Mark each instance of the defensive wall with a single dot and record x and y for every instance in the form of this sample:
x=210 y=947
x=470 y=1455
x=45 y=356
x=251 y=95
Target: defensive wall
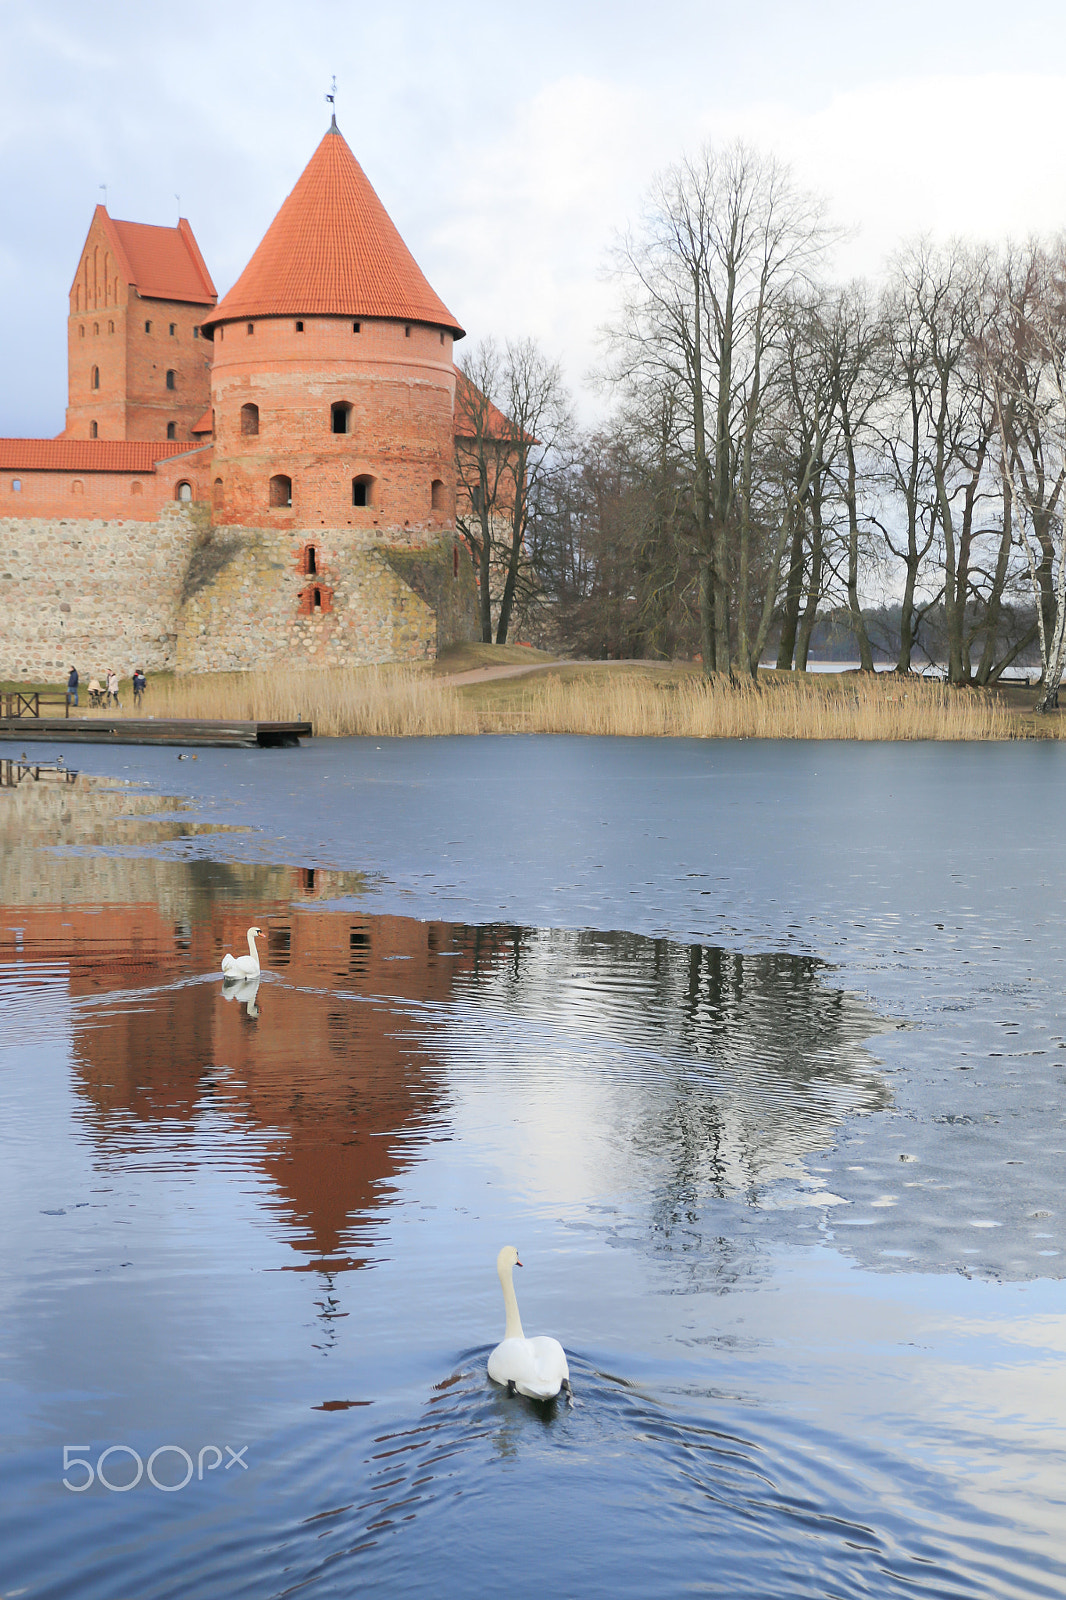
x=176 y=594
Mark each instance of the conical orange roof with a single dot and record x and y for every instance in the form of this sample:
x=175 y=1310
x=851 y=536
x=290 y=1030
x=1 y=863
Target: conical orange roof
x=333 y=250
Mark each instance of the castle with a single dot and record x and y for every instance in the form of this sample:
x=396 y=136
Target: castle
x=265 y=479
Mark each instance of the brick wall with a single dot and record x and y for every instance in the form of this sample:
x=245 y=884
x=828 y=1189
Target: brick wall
x=398 y=382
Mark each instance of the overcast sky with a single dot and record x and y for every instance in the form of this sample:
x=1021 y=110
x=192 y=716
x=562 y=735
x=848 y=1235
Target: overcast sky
x=510 y=143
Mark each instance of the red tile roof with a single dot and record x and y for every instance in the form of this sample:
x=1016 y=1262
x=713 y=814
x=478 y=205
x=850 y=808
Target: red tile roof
x=160 y=263
x=88 y=455
x=333 y=250
x=472 y=409
x=206 y=423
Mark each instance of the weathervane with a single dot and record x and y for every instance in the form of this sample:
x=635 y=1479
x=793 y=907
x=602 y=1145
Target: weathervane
x=103 y=186
x=332 y=98
x=178 y=199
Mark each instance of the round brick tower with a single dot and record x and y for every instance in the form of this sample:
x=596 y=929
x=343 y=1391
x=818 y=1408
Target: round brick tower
x=332 y=381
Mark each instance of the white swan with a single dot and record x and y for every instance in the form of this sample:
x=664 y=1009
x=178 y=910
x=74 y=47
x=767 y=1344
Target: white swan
x=244 y=966
x=535 y=1367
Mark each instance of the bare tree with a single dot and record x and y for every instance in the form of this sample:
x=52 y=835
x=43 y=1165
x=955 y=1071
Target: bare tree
x=726 y=237
x=513 y=413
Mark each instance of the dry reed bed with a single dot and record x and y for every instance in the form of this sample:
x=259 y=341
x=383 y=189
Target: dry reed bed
x=397 y=701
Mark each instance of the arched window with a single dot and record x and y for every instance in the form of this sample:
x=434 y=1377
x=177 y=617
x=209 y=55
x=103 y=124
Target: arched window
x=316 y=597
x=363 y=491
x=171 y=378
x=96 y=377
x=436 y=494
x=309 y=559
x=341 y=416
x=299 y=327
x=250 y=328
x=172 y=430
x=216 y=494
x=173 y=329
x=136 y=487
x=183 y=492
x=81 y=332
x=148 y=327
x=249 y=420
x=280 y=490
x=96 y=327
x=94 y=432
x=110 y=327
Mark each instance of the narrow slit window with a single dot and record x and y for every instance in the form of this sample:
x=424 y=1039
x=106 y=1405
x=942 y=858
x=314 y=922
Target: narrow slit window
x=250 y=328
x=148 y=327
x=96 y=377
x=357 y=327
x=172 y=378
x=173 y=329
x=172 y=430
x=94 y=432
x=407 y=331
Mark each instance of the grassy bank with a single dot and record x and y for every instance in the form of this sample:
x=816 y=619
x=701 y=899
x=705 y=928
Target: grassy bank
x=627 y=699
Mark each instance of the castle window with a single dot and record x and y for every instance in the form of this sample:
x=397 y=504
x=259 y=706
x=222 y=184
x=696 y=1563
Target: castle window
x=172 y=430
x=222 y=333
x=362 y=491
x=16 y=486
x=407 y=331
x=171 y=378
x=436 y=494
x=96 y=327
x=314 y=598
x=77 y=487
x=216 y=494
x=196 y=333
x=148 y=327
x=442 y=336
x=173 y=329
x=309 y=560
x=94 y=432
x=136 y=488
x=81 y=333
x=280 y=490
x=96 y=378
x=183 y=492
x=455 y=561
x=316 y=603
x=249 y=420
x=357 y=327
x=299 y=327
x=341 y=415
x=250 y=328
x=111 y=327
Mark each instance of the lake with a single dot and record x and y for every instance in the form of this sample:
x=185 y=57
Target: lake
x=756 y=1052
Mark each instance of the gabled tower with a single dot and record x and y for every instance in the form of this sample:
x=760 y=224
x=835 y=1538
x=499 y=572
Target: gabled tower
x=138 y=367
x=332 y=381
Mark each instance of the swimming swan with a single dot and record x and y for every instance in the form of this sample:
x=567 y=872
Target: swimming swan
x=244 y=966
x=535 y=1367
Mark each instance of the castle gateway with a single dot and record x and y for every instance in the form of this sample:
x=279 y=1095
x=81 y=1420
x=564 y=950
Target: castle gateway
x=265 y=479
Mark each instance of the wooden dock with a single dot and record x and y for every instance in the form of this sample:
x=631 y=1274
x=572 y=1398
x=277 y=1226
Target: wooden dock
x=154 y=730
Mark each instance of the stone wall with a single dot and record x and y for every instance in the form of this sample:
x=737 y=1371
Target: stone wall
x=177 y=594
x=93 y=594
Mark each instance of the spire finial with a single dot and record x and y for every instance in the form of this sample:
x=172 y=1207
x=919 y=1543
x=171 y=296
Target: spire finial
x=103 y=186
x=332 y=98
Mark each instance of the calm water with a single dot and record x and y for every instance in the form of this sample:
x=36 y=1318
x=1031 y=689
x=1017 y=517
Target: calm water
x=758 y=1054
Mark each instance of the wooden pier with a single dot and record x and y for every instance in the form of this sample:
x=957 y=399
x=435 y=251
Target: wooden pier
x=154 y=730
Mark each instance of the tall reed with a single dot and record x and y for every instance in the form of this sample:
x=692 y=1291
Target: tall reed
x=403 y=701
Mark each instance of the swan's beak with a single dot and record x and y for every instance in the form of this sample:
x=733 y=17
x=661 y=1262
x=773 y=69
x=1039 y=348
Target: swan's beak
x=518 y=1263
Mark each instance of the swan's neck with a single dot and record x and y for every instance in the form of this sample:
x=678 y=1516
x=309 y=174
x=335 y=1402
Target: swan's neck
x=252 y=951
x=513 y=1329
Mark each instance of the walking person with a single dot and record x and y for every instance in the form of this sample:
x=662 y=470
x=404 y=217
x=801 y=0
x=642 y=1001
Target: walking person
x=140 y=683
x=72 y=687
x=112 y=687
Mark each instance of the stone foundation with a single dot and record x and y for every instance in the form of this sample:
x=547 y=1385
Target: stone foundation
x=177 y=594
